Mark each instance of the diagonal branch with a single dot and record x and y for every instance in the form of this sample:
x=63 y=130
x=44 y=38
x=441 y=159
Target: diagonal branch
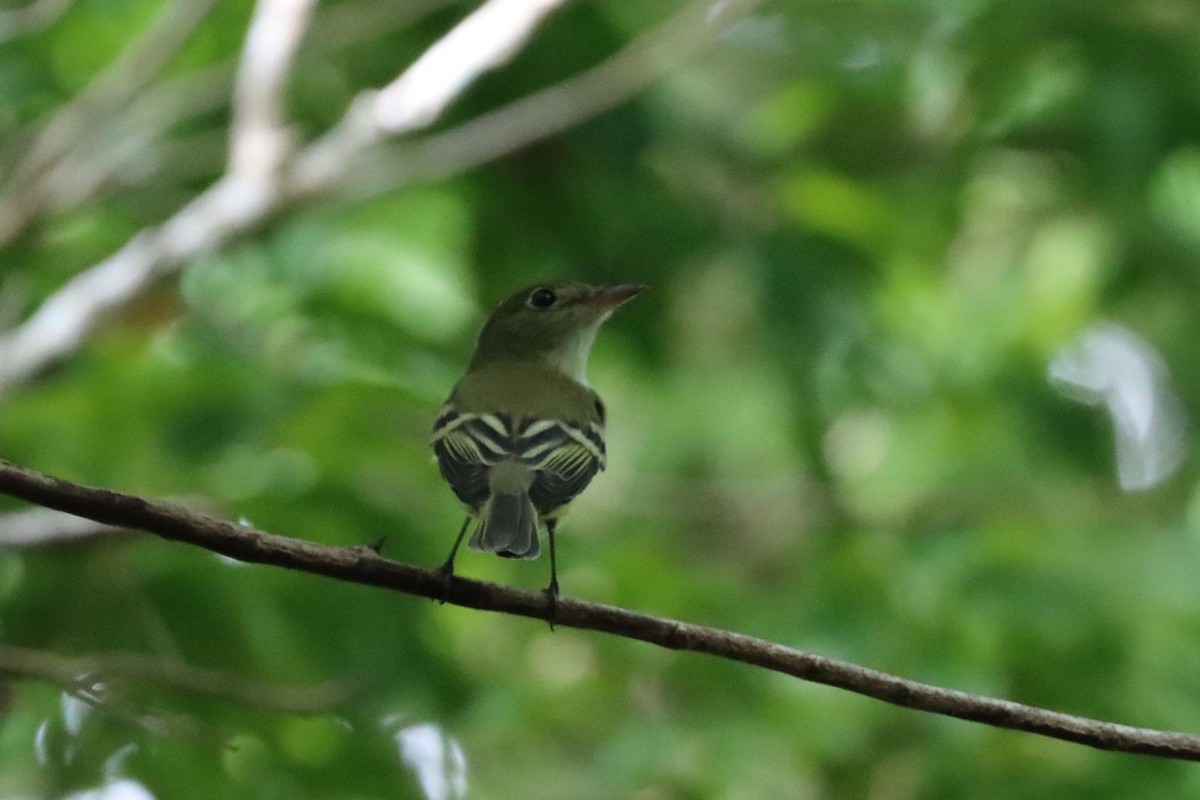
x=486 y=39
x=234 y=205
x=542 y=114
x=493 y=34
x=131 y=145
x=364 y=566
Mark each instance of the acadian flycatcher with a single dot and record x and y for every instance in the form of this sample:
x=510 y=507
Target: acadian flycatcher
x=523 y=433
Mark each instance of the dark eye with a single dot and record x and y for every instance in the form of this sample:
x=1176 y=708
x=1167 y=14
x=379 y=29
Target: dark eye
x=542 y=298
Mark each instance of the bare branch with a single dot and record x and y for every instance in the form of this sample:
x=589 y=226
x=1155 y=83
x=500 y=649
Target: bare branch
x=364 y=566
x=258 y=141
x=100 y=674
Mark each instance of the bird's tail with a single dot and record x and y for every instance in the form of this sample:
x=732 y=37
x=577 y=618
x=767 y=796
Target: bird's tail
x=508 y=522
x=508 y=527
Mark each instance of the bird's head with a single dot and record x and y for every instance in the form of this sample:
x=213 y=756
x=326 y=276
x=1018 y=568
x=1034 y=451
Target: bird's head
x=550 y=323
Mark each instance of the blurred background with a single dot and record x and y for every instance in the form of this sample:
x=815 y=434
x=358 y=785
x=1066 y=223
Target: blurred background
x=911 y=388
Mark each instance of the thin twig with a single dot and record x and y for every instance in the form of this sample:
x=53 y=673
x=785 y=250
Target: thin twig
x=364 y=566
x=123 y=670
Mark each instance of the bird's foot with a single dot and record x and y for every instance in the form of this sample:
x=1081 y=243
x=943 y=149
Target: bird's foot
x=447 y=572
x=551 y=593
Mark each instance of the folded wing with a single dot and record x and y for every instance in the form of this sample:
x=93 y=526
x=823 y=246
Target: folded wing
x=563 y=456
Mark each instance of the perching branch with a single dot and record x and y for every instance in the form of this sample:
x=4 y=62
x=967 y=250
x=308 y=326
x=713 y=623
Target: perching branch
x=364 y=566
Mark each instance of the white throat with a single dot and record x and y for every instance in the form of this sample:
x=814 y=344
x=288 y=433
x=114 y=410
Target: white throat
x=571 y=359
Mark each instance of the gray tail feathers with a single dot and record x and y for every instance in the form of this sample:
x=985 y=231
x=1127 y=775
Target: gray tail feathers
x=508 y=527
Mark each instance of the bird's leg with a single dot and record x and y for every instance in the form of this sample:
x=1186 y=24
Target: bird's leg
x=552 y=589
x=447 y=569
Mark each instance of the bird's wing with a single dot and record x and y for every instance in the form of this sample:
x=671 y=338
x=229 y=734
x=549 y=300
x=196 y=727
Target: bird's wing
x=466 y=445
x=563 y=456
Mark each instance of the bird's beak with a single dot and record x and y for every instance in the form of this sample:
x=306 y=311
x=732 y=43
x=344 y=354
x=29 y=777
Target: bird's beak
x=609 y=298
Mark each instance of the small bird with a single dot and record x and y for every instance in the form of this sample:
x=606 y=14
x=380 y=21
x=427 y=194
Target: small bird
x=522 y=433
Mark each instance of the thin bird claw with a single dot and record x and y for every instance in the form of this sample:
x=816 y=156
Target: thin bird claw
x=447 y=571
x=551 y=593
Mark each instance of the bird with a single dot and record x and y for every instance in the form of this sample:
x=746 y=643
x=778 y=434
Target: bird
x=522 y=433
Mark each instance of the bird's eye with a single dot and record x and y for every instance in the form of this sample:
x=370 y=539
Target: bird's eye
x=542 y=299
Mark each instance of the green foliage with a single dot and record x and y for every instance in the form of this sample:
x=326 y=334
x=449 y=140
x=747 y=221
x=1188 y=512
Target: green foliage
x=867 y=228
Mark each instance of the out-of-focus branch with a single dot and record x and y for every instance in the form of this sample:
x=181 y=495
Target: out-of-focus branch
x=25 y=195
x=45 y=527
x=101 y=674
x=39 y=527
x=33 y=18
x=109 y=92
x=238 y=200
x=483 y=41
x=231 y=206
x=559 y=107
x=61 y=323
x=259 y=142
x=364 y=566
x=131 y=71
x=131 y=146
